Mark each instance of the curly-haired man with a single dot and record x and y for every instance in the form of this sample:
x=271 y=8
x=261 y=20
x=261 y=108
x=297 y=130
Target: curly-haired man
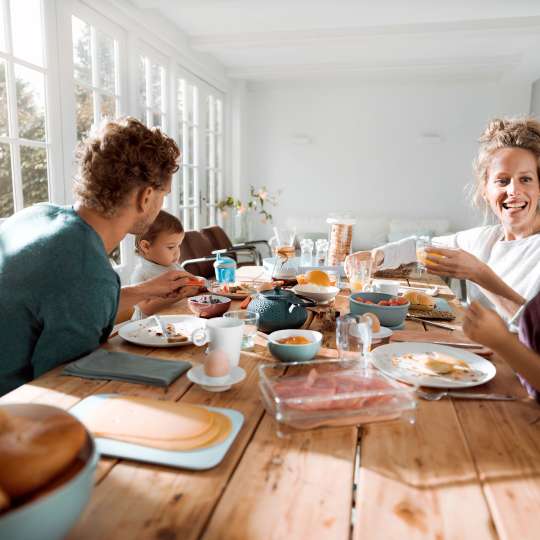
x=59 y=294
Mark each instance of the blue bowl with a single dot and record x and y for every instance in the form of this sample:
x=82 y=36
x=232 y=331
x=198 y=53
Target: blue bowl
x=388 y=315
x=294 y=353
x=51 y=515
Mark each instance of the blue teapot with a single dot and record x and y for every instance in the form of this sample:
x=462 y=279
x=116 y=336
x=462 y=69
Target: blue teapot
x=279 y=309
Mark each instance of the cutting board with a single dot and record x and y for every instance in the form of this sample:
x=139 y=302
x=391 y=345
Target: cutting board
x=432 y=336
x=204 y=458
x=442 y=311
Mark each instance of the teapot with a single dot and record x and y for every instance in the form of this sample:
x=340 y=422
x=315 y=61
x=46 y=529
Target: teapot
x=279 y=309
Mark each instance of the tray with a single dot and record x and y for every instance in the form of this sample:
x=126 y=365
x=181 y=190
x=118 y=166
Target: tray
x=199 y=460
x=341 y=393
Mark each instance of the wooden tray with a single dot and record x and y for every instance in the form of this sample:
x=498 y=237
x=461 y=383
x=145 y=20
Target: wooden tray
x=400 y=272
x=442 y=311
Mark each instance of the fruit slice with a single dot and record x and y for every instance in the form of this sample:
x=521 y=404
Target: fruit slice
x=318 y=277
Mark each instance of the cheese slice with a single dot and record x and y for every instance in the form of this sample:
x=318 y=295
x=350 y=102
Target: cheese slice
x=218 y=433
x=149 y=418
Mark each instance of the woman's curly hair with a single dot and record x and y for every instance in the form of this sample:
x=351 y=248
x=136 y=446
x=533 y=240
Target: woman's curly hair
x=504 y=133
x=123 y=156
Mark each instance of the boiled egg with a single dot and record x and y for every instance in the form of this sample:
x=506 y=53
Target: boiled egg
x=217 y=364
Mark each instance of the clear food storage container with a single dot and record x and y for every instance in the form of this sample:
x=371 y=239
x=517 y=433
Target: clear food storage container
x=308 y=395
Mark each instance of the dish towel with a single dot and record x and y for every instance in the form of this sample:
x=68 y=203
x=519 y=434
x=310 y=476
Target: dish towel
x=133 y=368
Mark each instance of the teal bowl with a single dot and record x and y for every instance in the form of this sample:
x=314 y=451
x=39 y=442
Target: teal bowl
x=388 y=315
x=51 y=515
x=294 y=353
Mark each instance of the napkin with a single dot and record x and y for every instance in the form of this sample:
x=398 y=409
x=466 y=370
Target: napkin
x=133 y=368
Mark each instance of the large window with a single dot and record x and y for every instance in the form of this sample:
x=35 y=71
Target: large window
x=188 y=114
x=24 y=140
x=152 y=93
x=214 y=156
x=96 y=74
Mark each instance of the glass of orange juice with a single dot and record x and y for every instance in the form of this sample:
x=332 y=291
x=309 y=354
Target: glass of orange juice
x=421 y=243
x=360 y=275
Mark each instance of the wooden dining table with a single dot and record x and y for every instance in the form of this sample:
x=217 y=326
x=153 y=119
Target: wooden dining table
x=466 y=469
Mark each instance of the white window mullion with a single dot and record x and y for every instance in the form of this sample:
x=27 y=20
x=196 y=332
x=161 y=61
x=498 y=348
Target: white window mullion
x=95 y=74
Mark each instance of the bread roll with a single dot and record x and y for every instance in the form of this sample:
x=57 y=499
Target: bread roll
x=419 y=300
x=34 y=449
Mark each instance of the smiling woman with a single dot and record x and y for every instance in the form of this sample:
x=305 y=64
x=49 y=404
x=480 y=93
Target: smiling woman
x=499 y=261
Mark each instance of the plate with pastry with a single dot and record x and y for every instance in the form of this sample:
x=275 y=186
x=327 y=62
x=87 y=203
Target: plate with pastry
x=436 y=366
x=234 y=291
x=148 y=333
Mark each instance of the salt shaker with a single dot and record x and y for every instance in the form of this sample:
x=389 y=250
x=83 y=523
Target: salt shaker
x=321 y=246
x=306 y=247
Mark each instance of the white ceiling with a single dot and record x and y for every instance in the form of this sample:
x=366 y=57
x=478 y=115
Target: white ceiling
x=284 y=39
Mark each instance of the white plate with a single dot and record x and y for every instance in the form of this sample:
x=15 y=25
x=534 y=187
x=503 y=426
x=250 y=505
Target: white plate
x=215 y=384
x=316 y=296
x=382 y=333
x=144 y=332
x=382 y=359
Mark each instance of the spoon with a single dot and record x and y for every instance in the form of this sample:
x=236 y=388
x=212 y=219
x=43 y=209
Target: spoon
x=435 y=396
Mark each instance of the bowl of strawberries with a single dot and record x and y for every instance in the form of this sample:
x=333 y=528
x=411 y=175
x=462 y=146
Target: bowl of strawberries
x=390 y=309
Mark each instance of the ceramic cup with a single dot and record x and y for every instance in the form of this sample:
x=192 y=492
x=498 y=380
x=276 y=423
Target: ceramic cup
x=221 y=334
x=386 y=287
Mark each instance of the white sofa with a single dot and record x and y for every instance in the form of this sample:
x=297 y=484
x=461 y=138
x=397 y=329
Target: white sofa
x=371 y=232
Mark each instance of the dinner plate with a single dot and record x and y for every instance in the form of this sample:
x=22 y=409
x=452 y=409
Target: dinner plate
x=144 y=332
x=483 y=370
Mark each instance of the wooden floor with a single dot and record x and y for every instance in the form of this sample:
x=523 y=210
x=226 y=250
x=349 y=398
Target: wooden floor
x=464 y=470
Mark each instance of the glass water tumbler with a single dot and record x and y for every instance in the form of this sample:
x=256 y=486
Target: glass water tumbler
x=321 y=247
x=306 y=248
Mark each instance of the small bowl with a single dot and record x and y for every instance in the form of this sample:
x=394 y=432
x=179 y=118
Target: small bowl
x=51 y=514
x=294 y=353
x=206 y=310
x=326 y=296
x=389 y=316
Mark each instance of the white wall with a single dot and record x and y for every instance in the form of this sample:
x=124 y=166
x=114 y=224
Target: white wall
x=367 y=148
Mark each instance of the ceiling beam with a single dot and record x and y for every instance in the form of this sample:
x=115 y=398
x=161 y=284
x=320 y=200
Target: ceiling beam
x=287 y=38
x=493 y=66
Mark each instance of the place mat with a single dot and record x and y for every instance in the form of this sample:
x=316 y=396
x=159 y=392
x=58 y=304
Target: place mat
x=120 y=366
x=402 y=271
x=434 y=336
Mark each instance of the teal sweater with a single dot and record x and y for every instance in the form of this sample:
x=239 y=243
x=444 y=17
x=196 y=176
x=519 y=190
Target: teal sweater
x=58 y=292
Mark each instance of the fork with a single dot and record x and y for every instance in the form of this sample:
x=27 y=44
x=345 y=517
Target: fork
x=435 y=396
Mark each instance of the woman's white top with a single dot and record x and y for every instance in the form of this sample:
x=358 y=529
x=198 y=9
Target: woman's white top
x=516 y=262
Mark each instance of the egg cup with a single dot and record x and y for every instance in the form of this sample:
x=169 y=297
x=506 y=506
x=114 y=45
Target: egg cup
x=215 y=384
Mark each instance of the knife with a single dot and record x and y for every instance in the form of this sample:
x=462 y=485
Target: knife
x=430 y=323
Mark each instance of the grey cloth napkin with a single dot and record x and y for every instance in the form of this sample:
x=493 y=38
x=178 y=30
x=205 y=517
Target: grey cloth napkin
x=133 y=368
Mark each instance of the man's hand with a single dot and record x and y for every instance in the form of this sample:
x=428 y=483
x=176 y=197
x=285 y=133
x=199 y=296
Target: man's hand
x=167 y=285
x=455 y=263
x=484 y=326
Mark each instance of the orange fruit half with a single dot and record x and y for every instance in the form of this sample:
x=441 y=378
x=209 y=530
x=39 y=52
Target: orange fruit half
x=318 y=277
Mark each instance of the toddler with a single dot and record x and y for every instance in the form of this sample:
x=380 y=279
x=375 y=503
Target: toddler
x=158 y=251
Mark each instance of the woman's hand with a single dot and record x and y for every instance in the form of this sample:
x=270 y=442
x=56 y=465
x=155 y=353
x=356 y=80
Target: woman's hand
x=172 y=284
x=455 y=263
x=484 y=326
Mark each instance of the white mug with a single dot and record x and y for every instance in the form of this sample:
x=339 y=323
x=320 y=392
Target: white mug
x=387 y=287
x=221 y=334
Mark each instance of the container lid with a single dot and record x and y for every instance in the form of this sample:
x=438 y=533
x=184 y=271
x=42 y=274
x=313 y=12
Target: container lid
x=224 y=262
x=330 y=393
x=341 y=219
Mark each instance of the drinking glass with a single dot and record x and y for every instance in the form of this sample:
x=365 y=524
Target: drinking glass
x=359 y=274
x=306 y=248
x=321 y=247
x=251 y=323
x=421 y=243
x=353 y=338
